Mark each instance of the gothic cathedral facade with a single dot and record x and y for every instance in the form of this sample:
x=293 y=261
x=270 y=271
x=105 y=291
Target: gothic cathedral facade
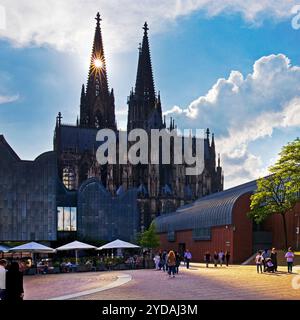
x=161 y=188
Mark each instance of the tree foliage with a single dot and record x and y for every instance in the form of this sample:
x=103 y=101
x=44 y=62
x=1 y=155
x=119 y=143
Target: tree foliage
x=149 y=238
x=279 y=192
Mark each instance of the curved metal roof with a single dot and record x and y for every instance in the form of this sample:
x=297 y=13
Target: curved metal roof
x=210 y=211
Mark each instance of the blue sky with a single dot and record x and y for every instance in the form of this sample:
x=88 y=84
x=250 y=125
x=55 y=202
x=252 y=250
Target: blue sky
x=42 y=69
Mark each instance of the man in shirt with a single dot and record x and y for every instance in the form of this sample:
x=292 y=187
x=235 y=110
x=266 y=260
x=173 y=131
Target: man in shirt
x=221 y=257
x=187 y=258
x=3 y=264
x=290 y=259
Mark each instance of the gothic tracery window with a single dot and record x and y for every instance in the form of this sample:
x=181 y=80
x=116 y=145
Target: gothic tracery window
x=69 y=178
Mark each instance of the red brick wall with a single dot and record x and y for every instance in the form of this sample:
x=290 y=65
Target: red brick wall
x=237 y=237
x=275 y=225
x=220 y=235
x=242 y=236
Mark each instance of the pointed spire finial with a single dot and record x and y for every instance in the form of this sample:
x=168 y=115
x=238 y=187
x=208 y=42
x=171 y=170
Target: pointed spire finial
x=98 y=19
x=207 y=133
x=146 y=28
x=59 y=118
x=219 y=160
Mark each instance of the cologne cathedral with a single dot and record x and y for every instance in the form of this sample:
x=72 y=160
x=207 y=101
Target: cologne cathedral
x=160 y=188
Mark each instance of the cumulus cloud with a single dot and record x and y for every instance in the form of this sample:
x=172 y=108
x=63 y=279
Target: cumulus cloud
x=66 y=25
x=243 y=110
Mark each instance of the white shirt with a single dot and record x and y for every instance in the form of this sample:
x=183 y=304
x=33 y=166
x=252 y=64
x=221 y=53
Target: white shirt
x=289 y=256
x=258 y=259
x=2 y=278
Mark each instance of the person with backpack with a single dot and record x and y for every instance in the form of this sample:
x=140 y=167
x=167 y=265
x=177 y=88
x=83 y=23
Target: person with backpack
x=259 y=262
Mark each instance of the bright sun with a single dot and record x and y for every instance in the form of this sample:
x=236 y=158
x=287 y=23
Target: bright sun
x=98 y=63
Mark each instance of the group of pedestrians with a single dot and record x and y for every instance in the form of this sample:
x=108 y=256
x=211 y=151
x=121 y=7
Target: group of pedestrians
x=11 y=281
x=267 y=261
x=218 y=258
x=170 y=261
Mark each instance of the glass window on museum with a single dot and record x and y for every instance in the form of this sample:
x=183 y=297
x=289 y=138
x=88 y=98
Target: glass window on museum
x=66 y=219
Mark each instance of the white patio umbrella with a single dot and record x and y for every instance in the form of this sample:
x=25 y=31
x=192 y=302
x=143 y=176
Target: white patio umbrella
x=33 y=247
x=76 y=245
x=119 y=244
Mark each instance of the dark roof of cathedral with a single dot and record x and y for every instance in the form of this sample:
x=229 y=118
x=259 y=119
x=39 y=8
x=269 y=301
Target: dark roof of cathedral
x=84 y=139
x=77 y=138
x=207 y=212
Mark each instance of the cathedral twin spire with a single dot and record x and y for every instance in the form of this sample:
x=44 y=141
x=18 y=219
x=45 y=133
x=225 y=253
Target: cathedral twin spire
x=97 y=109
x=144 y=81
x=97 y=106
x=144 y=108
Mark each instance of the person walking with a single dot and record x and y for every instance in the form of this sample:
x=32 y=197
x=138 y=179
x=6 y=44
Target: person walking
x=259 y=262
x=290 y=259
x=171 y=261
x=188 y=258
x=207 y=258
x=14 y=283
x=216 y=258
x=273 y=257
x=221 y=257
x=227 y=257
x=163 y=260
x=157 y=261
x=160 y=259
x=3 y=271
x=178 y=261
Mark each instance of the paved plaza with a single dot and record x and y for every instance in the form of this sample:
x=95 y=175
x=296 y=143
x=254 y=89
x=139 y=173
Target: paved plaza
x=197 y=283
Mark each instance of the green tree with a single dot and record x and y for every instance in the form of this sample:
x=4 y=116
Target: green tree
x=149 y=238
x=279 y=192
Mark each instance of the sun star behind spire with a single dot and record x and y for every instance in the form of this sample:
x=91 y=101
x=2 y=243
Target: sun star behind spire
x=98 y=63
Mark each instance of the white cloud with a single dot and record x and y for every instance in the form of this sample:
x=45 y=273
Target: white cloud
x=247 y=108
x=244 y=110
x=8 y=99
x=68 y=24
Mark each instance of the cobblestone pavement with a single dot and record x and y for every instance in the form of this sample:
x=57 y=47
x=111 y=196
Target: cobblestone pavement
x=43 y=287
x=197 y=283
